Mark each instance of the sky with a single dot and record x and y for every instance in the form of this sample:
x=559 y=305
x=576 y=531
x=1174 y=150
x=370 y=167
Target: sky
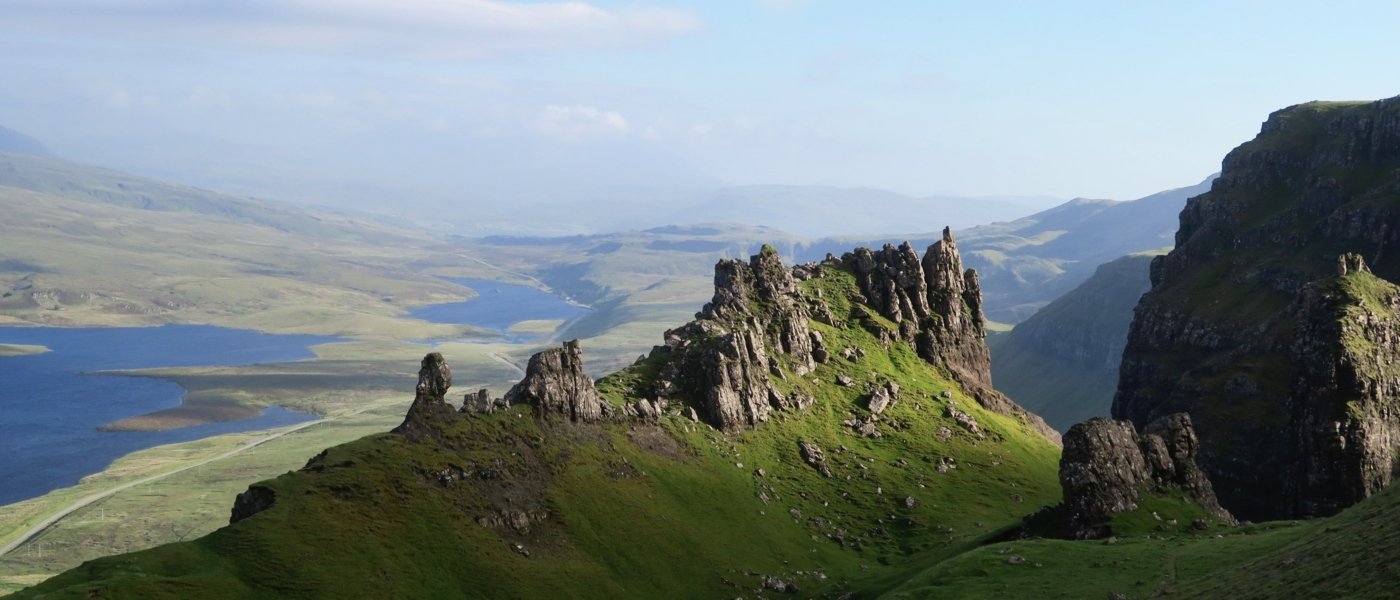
x=482 y=101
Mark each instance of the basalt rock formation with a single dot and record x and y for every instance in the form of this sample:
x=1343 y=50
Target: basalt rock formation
x=1266 y=326
x=937 y=304
x=938 y=308
x=757 y=330
x=1107 y=466
x=556 y=386
x=429 y=399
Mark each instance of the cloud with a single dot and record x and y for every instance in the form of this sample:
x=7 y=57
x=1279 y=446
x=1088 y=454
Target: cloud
x=441 y=29
x=579 y=123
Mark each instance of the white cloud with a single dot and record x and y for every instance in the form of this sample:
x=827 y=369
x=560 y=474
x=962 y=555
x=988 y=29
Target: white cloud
x=446 y=29
x=580 y=123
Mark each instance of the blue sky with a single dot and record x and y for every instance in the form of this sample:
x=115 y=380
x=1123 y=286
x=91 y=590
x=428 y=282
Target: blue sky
x=1098 y=99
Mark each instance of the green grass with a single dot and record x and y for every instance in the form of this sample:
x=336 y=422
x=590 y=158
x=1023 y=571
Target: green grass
x=20 y=350
x=632 y=510
x=1351 y=555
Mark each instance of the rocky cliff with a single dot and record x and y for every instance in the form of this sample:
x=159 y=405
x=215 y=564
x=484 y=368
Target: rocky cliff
x=936 y=303
x=1107 y=466
x=1282 y=360
x=756 y=333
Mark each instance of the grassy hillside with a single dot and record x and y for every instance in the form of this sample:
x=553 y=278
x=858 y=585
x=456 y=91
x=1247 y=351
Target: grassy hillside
x=1351 y=555
x=92 y=247
x=1062 y=363
x=624 y=510
x=503 y=505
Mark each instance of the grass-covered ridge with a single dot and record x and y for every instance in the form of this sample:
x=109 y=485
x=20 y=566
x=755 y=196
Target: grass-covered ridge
x=627 y=509
x=504 y=505
x=1351 y=555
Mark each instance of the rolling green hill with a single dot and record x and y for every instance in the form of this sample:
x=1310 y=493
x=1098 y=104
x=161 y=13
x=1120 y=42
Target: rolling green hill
x=515 y=504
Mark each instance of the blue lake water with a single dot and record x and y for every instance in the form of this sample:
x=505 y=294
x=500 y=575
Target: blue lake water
x=500 y=305
x=51 y=406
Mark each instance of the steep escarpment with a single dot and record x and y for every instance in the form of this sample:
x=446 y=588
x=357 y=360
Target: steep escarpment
x=1347 y=392
x=1252 y=329
x=1062 y=363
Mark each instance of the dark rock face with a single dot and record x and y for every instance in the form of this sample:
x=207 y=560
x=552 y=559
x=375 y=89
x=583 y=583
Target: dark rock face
x=256 y=499
x=429 y=401
x=1345 y=416
x=556 y=386
x=725 y=357
x=938 y=307
x=1264 y=324
x=1106 y=466
x=937 y=304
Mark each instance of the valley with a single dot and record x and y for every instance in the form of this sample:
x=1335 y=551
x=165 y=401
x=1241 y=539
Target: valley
x=829 y=429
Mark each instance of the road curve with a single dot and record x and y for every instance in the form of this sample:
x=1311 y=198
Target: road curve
x=89 y=499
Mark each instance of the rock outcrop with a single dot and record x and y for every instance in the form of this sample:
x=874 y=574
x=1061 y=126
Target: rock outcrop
x=429 y=401
x=756 y=328
x=937 y=304
x=557 y=387
x=1106 y=467
x=255 y=499
x=938 y=308
x=1345 y=418
x=1264 y=325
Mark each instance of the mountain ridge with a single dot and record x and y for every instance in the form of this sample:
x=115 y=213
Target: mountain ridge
x=1250 y=323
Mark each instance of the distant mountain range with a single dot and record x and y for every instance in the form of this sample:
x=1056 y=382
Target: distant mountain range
x=1027 y=262
x=14 y=141
x=818 y=211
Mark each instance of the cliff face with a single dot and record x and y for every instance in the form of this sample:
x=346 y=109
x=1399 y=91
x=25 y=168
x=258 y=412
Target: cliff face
x=1347 y=419
x=1282 y=365
x=1062 y=363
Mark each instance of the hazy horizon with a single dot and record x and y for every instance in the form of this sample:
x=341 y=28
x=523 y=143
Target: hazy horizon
x=508 y=110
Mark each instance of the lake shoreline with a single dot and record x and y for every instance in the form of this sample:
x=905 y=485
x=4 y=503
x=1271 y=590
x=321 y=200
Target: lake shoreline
x=8 y=350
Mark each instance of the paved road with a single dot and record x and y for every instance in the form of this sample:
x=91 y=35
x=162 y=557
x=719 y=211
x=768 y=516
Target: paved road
x=86 y=500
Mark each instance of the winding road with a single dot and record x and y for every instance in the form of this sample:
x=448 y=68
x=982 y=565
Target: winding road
x=89 y=499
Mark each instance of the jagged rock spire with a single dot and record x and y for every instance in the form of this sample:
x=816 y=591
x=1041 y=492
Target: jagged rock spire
x=936 y=303
x=557 y=387
x=724 y=355
x=429 y=401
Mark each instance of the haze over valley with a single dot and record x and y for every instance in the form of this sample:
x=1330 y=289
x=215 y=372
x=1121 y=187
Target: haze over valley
x=486 y=298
